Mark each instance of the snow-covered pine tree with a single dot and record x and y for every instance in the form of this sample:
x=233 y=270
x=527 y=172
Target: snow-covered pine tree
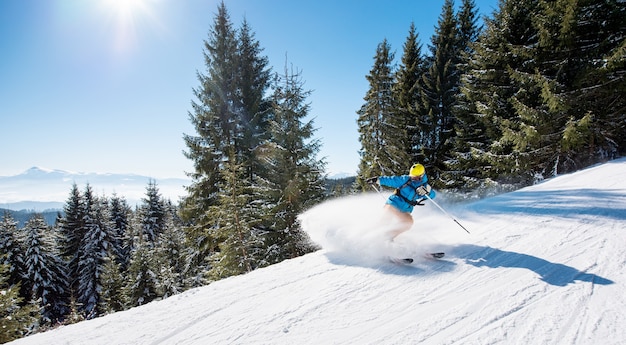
x=375 y=133
x=169 y=255
x=12 y=253
x=120 y=220
x=297 y=179
x=152 y=214
x=16 y=319
x=72 y=231
x=142 y=278
x=112 y=296
x=93 y=250
x=239 y=244
x=45 y=270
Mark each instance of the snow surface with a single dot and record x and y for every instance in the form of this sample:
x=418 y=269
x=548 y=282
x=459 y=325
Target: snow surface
x=542 y=265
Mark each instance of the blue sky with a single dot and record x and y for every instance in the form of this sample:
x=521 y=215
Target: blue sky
x=106 y=85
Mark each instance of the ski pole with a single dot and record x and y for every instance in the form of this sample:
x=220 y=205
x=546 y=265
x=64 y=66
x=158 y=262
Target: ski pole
x=379 y=193
x=448 y=214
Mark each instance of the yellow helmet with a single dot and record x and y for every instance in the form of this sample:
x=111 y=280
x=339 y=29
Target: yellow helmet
x=417 y=170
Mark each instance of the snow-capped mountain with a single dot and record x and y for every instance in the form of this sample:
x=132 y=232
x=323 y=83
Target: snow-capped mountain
x=39 y=188
x=542 y=265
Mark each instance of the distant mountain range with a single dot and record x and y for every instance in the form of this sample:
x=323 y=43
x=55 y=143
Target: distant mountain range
x=41 y=189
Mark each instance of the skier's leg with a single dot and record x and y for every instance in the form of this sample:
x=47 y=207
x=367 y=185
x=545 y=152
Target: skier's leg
x=403 y=221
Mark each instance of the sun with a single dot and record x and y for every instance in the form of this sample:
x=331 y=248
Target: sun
x=126 y=16
x=125 y=8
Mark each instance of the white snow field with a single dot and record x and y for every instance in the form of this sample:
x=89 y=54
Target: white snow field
x=542 y=265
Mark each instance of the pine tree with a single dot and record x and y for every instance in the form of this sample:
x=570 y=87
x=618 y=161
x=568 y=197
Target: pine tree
x=253 y=82
x=213 y=119
x=554 y=129
x=142 y=278
x=489 y=87
x=120 y=220
x=576 y=37
x=230 y=118
x=93 y=250
x=16 y=319
x=45 y=270
x=12 y=253
x=407 y=92
x=169 y=256
x=152 y=212
x=377 y=153
x=72 y=231
x=112 y=296
x=236 y=218
x=539 y=112
x=441 y=84
x=468 y=131
x=607 y=97
x=297 y=180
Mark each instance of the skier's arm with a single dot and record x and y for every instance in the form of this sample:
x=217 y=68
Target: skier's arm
x=392 y=181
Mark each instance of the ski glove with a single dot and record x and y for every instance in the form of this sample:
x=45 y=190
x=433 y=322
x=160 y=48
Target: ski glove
x=423 y=190
x=372 y=180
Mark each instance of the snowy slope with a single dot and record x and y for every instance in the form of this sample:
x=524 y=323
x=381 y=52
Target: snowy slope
x=543 y=265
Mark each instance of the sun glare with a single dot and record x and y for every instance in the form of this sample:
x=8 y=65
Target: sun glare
x=126 y=17
x=125 y=8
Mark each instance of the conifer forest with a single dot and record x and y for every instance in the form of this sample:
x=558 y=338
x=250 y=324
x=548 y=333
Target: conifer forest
x=536 y=90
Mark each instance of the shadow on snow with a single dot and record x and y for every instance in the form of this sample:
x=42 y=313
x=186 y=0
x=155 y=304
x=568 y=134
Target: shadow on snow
x=479 y=256
x=550 y=272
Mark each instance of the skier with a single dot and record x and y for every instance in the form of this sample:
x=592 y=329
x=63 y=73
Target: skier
x=411 y=190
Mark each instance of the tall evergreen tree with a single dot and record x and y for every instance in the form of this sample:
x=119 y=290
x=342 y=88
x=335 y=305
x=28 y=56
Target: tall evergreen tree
x=93 y=250
x=120 y=220
x=297 y=179
x=407 y=92
x=45 y=270
x=378 y=154
x=214 y=120
x=489 y=87
x=554 y=128
x=575 y=39
x=72 y=231
x=230 y=118
x=441 y=85
x=459 y=171
x=253 y=82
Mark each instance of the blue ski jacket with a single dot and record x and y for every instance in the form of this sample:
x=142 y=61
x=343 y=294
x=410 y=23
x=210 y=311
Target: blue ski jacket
x=407 y=188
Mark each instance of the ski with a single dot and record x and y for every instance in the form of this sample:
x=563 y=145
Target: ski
x=407 y=261
x=401 y=261
x=438 y=255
